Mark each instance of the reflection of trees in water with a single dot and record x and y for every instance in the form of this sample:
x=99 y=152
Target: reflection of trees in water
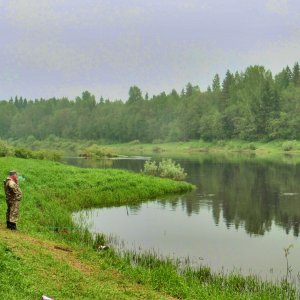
x=248 y=194
x=289 y=214
x=251 y=195
x=133 y=208
x=191 y=205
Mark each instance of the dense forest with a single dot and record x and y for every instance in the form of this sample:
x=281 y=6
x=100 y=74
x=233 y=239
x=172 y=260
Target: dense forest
x=249 y=105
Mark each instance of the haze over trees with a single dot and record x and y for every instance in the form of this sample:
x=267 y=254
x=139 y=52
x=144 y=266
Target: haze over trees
x=249 y=105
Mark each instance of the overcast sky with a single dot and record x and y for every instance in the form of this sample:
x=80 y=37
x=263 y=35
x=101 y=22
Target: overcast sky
x=63 y=47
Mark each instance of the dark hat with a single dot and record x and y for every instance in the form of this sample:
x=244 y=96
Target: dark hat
x=13 y=172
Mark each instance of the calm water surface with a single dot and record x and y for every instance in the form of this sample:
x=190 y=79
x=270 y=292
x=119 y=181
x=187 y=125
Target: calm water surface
x=242 y=215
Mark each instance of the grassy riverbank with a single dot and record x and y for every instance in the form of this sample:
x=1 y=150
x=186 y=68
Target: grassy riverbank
x=63 y=263
x=222 y=146
x=98 y=149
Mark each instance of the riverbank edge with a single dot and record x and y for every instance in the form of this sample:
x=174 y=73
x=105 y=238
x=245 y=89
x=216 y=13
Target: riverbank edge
x=47 y=188
x=99 y=148
x=217 y=147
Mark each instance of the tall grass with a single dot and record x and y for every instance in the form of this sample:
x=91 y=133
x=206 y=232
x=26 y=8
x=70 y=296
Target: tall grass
x=169 y=276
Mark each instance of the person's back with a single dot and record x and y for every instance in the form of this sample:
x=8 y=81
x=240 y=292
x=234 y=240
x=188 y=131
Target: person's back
x=13 y=195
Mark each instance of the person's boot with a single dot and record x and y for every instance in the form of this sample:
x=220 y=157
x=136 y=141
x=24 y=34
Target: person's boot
x=8 y=226
x=13 y=226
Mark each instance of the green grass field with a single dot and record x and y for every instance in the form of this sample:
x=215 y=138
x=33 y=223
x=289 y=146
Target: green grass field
x=64 y=264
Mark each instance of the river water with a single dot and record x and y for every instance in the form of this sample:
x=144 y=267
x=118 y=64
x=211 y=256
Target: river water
x=242 y=215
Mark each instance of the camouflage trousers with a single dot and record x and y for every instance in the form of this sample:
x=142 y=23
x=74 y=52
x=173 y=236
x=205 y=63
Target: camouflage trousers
x=12 y=213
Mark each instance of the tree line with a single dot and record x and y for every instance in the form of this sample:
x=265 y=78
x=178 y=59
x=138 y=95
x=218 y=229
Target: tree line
x=249 y=105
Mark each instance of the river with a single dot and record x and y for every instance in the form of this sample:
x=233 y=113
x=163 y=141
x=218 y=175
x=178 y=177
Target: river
x=242 y=215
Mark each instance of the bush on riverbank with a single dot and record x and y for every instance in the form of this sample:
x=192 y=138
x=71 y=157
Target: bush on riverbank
x=289 y=145
x=21 y=152
x=95 y=151
x=5 y=149
x=167 y=168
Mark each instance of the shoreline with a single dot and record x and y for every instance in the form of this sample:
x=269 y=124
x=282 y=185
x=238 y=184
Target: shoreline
x=218 y=147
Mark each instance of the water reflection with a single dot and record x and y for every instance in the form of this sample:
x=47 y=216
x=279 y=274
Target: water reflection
x=248 y=193
x=244 y=209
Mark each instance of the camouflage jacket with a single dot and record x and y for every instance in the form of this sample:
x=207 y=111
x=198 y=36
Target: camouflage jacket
x=12 y=190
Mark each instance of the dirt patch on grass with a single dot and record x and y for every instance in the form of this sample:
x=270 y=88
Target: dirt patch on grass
x=58 y=251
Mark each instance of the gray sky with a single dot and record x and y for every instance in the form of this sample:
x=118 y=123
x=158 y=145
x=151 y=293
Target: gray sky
x=63 y=47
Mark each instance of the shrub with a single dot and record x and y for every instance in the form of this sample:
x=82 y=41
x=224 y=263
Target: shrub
x=287 y=146
x=30 y=139
x=97 y=151
x=157 y=149
x=72 y=147
x=52 y=138
x=34 y=146
x=150 y=168
x=47 y=154
x=23 y=153
x=252 y=146
x=4 y=149
x=221 y=143
x=167 y=168
x=41 y=154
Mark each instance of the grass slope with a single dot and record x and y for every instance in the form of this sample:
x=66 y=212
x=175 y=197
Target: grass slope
x=63 y=264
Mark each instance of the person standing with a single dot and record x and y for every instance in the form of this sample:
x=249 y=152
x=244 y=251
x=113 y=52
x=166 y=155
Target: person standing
x=13 y=195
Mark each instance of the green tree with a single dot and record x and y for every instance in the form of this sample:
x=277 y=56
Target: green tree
x=296 y=74
x=283 y=79
x=189 y=90
x=216 y=84
x=135 y=95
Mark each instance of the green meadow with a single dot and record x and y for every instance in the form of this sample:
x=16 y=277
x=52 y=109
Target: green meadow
x=50 y=255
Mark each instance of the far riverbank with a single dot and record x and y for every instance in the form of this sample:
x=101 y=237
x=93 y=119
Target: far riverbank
x=200 y=146
x=100 y=148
